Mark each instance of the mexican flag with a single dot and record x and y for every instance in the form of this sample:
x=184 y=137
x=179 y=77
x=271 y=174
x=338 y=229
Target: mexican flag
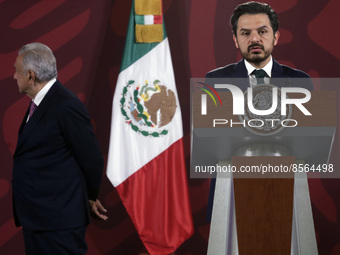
x=146 y=162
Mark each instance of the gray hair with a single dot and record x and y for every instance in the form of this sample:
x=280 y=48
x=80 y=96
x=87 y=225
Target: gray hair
x=40 y=59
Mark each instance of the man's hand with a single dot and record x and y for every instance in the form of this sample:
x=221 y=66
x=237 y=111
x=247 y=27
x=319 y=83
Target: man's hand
x=96 y=208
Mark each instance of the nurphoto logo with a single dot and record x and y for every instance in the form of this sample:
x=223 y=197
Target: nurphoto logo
x=263 y=109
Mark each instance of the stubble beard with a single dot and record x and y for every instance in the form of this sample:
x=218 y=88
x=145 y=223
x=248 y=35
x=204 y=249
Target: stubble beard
x=257 y=57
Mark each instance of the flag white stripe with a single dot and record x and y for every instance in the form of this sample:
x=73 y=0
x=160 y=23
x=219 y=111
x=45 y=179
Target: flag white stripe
x=148 y=20
x=124 y=142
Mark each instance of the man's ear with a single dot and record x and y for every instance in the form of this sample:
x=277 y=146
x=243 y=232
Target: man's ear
x=31 y=76
x=276 y=37
x=235 y=41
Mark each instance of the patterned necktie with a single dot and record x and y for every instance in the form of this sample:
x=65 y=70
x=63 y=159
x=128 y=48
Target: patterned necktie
x=33 y=107
x=260 y=74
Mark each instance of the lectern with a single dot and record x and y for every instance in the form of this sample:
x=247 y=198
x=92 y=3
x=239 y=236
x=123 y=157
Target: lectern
x=263 y=213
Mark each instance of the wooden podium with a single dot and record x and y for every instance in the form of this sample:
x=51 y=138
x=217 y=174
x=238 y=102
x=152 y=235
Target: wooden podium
x=264 y=214
x=264 y=208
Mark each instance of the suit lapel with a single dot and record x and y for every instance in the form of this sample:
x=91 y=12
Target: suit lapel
x=279 y=78
x=26 y=128
x=24 y=120
x=277 y=70
x=240 y=71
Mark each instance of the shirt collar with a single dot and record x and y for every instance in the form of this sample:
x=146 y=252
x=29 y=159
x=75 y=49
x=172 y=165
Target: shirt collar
x=41 y=94
x=268 y=67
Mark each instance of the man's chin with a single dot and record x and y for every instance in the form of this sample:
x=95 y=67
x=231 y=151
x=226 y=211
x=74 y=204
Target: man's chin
x=257 y=58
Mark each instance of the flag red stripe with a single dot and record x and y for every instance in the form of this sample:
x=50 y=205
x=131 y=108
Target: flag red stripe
x=156 y=198
x=157 y=19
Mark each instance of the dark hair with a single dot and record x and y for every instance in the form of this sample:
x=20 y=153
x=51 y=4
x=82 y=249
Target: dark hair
x=254 y=8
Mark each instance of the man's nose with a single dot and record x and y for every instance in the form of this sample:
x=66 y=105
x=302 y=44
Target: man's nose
x=254 y=37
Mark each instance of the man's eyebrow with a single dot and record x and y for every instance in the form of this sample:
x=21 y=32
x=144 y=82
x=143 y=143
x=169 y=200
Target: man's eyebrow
x=245 y=29
x=262 y=27
x=259 y=28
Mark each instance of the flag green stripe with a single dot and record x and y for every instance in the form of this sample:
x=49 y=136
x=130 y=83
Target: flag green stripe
x=134 y=51
x=140 y=19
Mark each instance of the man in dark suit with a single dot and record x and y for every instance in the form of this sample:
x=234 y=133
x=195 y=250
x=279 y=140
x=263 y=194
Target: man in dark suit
x=255 y=33
x=57 y=165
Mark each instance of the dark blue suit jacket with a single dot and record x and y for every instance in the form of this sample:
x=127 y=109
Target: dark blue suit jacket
x=57 y=164
x=281 y=76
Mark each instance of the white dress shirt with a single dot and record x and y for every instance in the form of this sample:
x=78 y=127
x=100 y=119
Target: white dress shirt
x=267 y=68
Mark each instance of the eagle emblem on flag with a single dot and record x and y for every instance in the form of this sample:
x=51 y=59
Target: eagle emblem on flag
x=148 y=108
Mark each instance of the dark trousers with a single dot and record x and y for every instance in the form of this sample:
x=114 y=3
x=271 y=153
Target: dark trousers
x=56 y=242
